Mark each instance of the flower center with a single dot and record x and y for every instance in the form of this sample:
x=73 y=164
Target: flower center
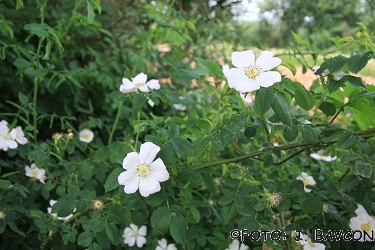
x=275 y=199
x=365 y=227
x=305 y=182
x=6 y=137
x=143 y=170
x=252 y=71
x=86 y=136
x=135 y=234
x=139 y=84
x=34 y=173
x=310 y=242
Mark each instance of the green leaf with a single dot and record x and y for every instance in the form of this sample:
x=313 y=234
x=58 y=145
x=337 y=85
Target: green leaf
x=201 y=149
x=228 y=213
x=63 y=207
x=178 y=209
x=23 y=99
x=112 y=181
x=155 y=199
x=94 y=246
x=290 y=66
x=328 y=108
x=350 y=158
x=195 y=213
x=303 y=97
x=358 y=62
x=85 y=239
x=333 y=64
x=101 y=154
x=311 y=204
x=250 y=132
x=90 y=12
x=264 y=99
x=178 y=230
x=290 y=134
x=112 y=233
x=161 y=219
x=4 y=184
x=85 y=171
x=346 y=140
x=139 y=101
x=97 y=5
x=281 y=108
x=349 y=182
x=236 y=123
x=309 y=134
x=355 y=81
x=205 y=123
x=363 y=169
x=226 y=199
x=268 y=160
x=220 y=138
x=21 y=63
x=248 y=223
x=183 y=146
x=259 y=207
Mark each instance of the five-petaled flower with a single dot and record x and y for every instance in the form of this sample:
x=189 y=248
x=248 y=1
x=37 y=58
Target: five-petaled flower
x=134 y=235
x=34 y=172
x=18 y=135
x=235 y=245
x=142 y=171
x=138 y=83
x=307 y=180
x=252 y=73
x=163 y=245
x=337 y=75
x=86 y=135
x=363 y=222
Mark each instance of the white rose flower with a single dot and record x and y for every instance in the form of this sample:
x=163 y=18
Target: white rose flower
x=138 y=83
x=252 y=73
x=86 y=135
x=142 y=171
x=322 y=157
x=235 y=245
x=34 y=172
x=18 y=135
x=6 y=139
x=363 y=222
x=132 y=235
x=163 y=245
x=307 y=243
x=307 y=180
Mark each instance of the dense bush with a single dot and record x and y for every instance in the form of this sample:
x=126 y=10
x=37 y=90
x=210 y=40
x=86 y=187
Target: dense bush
x=173 y=153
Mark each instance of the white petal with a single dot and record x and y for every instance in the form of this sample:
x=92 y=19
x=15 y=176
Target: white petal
x=315 y=156
x=148 y=152
x=225 y=69
x=130 y=179
x=234 y=245
x=142 y=230
x=134 y=227
x=163 y=243
x=131 y=161
x=127 y=232
x=243 y=59
x=158 y=248
x=127 y=86
x=244 y=247
x=307 y=190
x=171 y=247
x=267 y=79
x=150 y=102
x=247 y=98
x=12 y=144
x=148 y=186
x=360 y=210
x=311 y=181
x=266 y=61
x=141 y=241
x=304 y=175
x=153 y=84
x=130 y=241
x=159 y=171
x=52 y=202
x=144 y=88
x=141 y=77
x=238 y=80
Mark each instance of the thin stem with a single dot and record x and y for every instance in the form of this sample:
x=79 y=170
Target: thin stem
x=338 y=112
x=138 y=130
x=345 y=174
x=115 y=123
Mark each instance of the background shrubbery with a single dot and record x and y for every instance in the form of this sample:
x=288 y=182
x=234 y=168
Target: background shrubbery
x=61 y=68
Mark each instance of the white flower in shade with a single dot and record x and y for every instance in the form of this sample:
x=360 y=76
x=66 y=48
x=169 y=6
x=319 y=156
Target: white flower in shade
x=6 y=139
x=307 y=243
x=34 y=172
x=323 y=157
x=363 y=222
x=142 y=171
x=18 y=135
x=138 y=83
x=49 y=210
x=132 y=235
x=163 y=245
x=337 y=74
x=235 y=245
x=180 y=107
x=360 y=210
x=307 y=180
x=86 y=135
x=252 y=73
x=246 y=98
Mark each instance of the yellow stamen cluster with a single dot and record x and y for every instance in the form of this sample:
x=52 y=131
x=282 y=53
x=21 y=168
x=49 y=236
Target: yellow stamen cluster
x=2 y=215
x=275 y=199
x=143 y=170
x=252 y=71
x=97 y=205
x=139 y=84
x=366 y=227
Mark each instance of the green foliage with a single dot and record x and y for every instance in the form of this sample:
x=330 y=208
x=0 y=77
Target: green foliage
x=231 y=165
